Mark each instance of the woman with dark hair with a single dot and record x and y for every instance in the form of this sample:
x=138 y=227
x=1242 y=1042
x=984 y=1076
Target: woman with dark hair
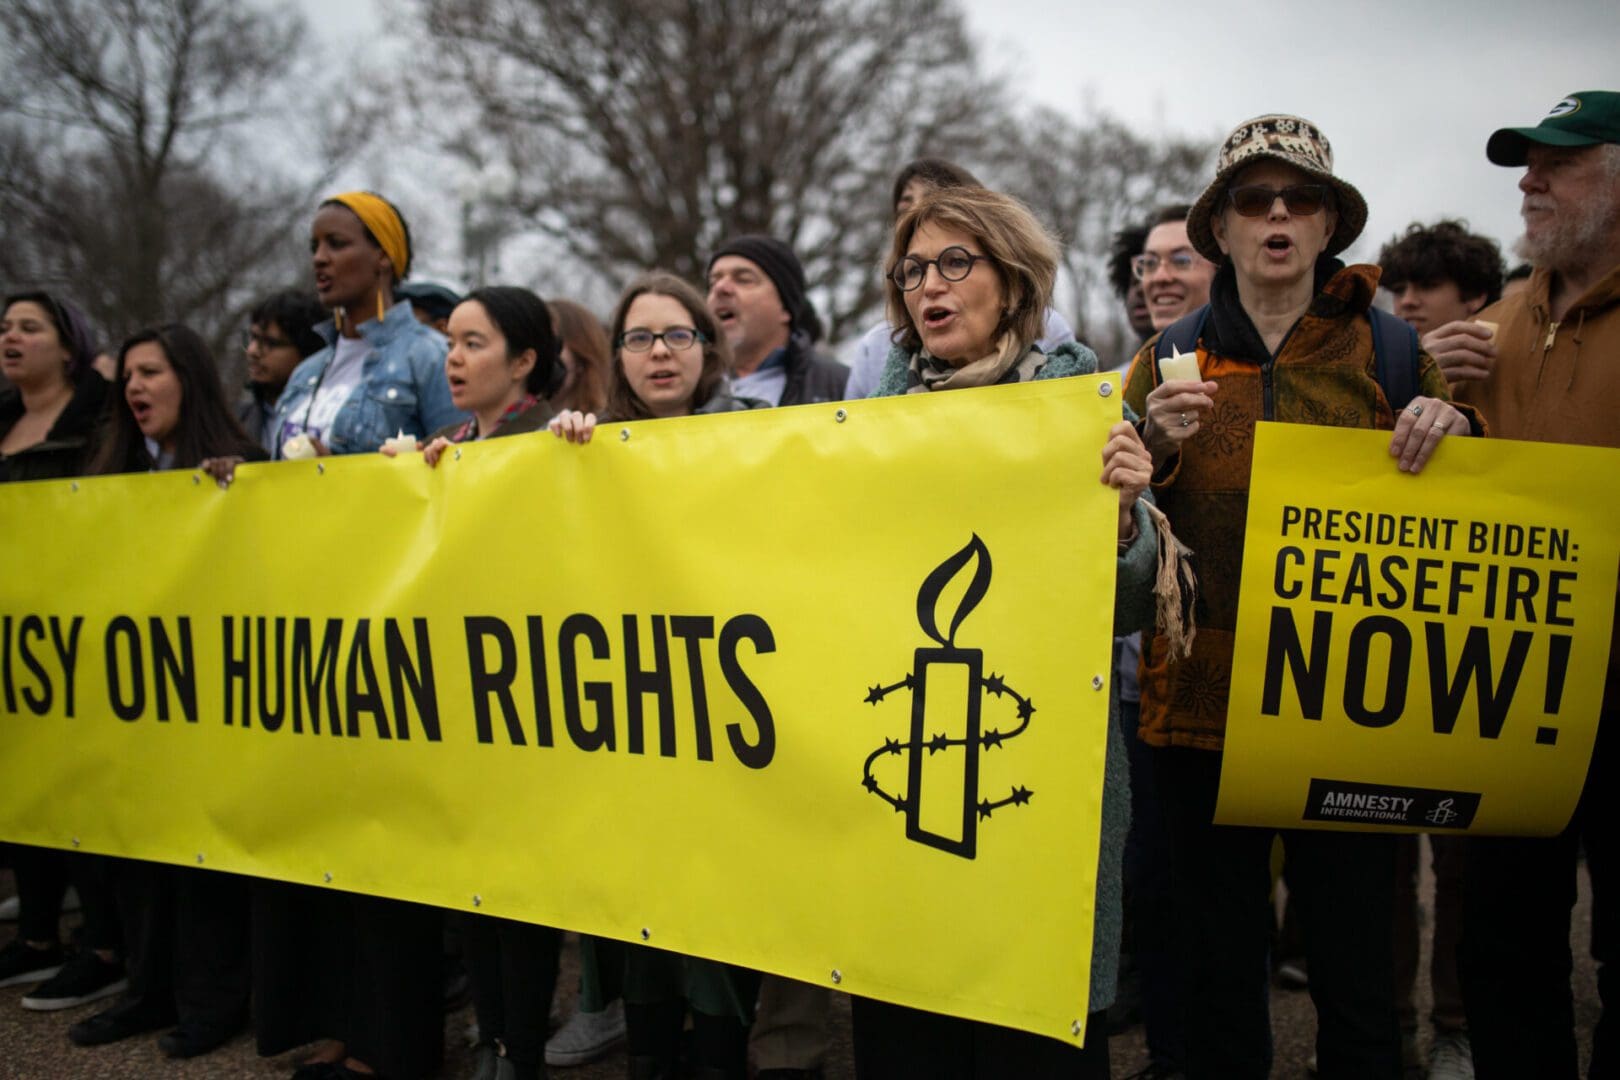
x=670 y=360
x=382 y=371
x=48 y=416
x=502 y=367
x=175 y=414
x=186 y=929
x=585 y=356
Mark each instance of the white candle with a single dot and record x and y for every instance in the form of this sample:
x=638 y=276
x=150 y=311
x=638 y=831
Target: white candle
x=1179 y=365
x=401 y=443
x=298 y=448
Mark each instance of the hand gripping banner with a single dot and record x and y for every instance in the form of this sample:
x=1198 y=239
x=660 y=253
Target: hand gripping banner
x=1419 y=653
x=820 y=691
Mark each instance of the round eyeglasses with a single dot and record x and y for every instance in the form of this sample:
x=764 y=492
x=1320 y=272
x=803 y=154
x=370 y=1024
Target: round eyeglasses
x=955 y=263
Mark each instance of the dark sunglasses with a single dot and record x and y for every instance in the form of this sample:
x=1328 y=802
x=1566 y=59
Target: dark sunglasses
x=1254 y=200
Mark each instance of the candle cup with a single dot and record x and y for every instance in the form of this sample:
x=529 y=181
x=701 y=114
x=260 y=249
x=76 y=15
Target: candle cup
x=1179 y=365
x=298 y=448
x=401 y=443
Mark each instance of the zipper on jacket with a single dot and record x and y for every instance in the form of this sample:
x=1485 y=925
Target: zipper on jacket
x=1267 y=407
x=1552 y=332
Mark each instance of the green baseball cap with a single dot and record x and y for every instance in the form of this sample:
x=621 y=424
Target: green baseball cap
x=1583 y=119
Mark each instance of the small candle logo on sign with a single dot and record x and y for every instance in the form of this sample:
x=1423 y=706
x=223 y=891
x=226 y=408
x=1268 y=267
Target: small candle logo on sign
x=947 y=685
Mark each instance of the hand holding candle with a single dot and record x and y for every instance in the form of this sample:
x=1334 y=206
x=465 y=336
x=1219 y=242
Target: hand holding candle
x=401 y=443
x=1176 y=405
x=1179 y=365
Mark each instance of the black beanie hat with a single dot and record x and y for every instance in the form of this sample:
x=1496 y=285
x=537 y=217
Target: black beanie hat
x=782 y=267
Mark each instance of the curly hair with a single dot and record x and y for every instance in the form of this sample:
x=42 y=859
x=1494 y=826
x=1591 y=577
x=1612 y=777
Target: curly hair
x=1445 y=251
x=1127 y=245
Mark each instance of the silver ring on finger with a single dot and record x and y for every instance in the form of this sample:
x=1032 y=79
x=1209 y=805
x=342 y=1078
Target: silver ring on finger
x=1184 y=421
x=1415 y=409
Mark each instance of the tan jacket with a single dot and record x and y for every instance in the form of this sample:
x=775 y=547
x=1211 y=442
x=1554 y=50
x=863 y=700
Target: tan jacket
x=1557 y=382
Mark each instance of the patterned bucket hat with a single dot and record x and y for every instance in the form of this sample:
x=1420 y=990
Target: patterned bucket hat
x=1291 y=140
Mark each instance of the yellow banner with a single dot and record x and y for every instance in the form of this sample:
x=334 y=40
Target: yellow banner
x=807 y=690
x=1418 y=653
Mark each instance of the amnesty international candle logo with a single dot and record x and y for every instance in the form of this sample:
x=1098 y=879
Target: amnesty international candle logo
x=941 y=800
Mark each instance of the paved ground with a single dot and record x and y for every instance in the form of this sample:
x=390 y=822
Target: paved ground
x=35 y=1045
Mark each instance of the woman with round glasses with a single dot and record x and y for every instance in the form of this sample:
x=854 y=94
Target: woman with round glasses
x=669 y=359
x=971 y=278
x=1286 y=336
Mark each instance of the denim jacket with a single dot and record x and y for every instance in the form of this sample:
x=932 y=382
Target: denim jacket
x=402 y=385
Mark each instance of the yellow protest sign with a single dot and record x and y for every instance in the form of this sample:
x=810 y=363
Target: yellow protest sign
x=1418 y=653
x=808 y=690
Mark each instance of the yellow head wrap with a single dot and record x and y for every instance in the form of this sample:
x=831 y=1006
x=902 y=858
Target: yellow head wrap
x=384 y=223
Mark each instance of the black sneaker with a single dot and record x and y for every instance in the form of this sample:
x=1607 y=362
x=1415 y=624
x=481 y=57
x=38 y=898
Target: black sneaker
x=86 y=977
x=22 y=963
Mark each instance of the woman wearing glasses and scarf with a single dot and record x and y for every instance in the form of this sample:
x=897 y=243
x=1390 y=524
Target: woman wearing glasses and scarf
x=1287 y=337
x=970 y=282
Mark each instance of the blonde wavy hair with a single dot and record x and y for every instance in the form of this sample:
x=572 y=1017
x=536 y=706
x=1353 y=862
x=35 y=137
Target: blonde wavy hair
x=1022 y=250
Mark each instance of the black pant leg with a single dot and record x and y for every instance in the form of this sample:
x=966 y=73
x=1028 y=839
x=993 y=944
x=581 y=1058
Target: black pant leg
x=211 y=977
x=528 y=980
x=1221 y=885
x=302 y=941
x=41 y=881
x=481 y=955
x=145 y=892
x=396 y=983
x=92 y=876
x=1345 y=883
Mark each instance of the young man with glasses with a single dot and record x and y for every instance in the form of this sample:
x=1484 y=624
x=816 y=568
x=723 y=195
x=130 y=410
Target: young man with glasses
x=280 y=334
x=1175 y=278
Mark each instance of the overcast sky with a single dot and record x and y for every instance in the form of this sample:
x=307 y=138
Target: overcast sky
x=1407 y=92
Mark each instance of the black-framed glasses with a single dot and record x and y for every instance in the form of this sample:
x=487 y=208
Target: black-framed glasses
x=264 y=341
x=955 y=263
x=1254 y=200
x=675 y=338
x=1179 y=262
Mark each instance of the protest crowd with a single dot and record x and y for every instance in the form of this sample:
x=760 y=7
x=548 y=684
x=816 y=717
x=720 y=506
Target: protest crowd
x=1245 y=281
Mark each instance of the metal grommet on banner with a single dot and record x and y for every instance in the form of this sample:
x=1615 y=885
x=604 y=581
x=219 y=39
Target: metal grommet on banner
x=1076 y=1028
x=75 y=841
x=199 y=858
x=1096 y=682
x=196 y=478
x=645 y=933
x=478 y=901
x=320 y=468
x=458 y=453
x=624 y=434
x=837 y=976
x=75 y=485
x=1105 y=388
x=327 y=877
x=841 y=415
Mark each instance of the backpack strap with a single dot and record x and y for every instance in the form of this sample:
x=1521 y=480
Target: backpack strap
x=1395 y=357
x=1183 y=334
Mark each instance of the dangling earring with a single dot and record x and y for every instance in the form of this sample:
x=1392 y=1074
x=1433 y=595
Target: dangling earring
x=380 y=312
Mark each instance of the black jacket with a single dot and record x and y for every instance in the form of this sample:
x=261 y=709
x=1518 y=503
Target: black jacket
x=811 y=377
x=67 y=446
